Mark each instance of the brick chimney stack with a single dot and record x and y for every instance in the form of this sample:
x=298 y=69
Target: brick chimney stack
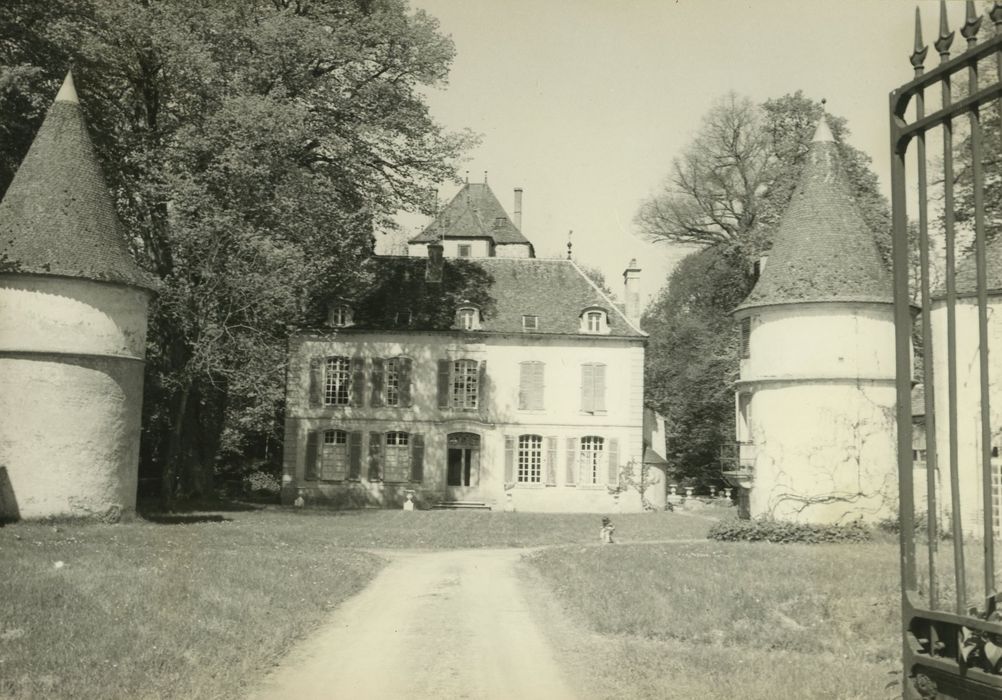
x=631 y=292
x=518 y=208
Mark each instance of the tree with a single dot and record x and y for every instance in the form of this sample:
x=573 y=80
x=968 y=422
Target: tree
x=598 y=277
x=254 y=148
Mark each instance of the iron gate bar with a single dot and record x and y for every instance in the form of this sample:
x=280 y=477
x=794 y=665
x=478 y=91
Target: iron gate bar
x=929 y=393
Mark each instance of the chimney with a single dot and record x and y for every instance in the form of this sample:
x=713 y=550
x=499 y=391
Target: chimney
x=631 y=292
x=433 y=271
x=518 y=208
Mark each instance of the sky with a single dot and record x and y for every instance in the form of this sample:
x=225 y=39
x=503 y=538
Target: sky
x=584 y=103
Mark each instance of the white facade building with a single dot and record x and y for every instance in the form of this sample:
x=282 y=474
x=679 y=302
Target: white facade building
x=816 y=396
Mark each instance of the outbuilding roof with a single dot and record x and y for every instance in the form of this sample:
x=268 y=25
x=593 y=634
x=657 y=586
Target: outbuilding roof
x=473 y=213
x=504 y=290
x=57 y=217
x=966 y=280
x=823 y=251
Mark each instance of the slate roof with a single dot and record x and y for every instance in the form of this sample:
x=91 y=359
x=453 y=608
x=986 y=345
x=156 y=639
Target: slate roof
x=966 y=276
x=57 y=217
x=822 y=250
x=473 y=213
x=503 y=289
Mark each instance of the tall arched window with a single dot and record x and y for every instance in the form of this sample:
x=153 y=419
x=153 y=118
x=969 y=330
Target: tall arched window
x=465 y=384
x=337 y=381
x=468 y=318
x=397 y=461
x=334 y=456
x=530 y=459
x=590 y=459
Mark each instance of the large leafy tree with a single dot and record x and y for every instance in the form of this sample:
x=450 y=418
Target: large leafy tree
x=726 y=194
x=254 y=148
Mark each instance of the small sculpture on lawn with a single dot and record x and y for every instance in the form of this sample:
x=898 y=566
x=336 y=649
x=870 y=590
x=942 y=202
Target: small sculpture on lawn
x=605 y=536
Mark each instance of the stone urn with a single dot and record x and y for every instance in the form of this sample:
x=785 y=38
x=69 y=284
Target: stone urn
x=409 y=503
x=727 y=494
x=688 y=491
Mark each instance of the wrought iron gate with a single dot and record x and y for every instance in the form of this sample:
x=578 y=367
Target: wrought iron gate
x=951 y=647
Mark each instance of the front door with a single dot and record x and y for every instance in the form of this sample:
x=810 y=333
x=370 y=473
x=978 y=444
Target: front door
x=462 y=465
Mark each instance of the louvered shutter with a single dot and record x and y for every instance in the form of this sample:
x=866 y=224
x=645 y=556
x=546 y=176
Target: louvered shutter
x=357 y=389
x=354 y=454
x=312 y=463
x=509 y=459
x=599 y=390
x=376 y=397
x=317 y=382
x=551 y=461
x=482 y=386
x=613 y=461
x=588 y=388
x=524 y=380
x=417 y=458
x=538 y=386
x=375 y=450
x=572 y=461
x=405 y=381
x=444 y=367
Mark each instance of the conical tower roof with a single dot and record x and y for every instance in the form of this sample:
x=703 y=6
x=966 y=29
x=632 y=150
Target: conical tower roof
x=58 y=217
x=823 y=251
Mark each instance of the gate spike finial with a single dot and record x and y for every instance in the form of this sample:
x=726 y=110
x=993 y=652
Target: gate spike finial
x=945 y=35
x=920 y=51
x=996 y=13
x=972 y=22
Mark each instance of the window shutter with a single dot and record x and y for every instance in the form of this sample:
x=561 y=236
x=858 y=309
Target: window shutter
x=572 y=461
x=317 y=382
x=376 y=398
x=357 y=381
x=613 y=461
x=405 y=381
x=444 y=367
x=524 y=379
x=417 y=458
x=599 y=392
x=588 y=388
x=551 y=461
x=482 y=386
x=375 y=445
x=312 y=465
x=509 y=459
x=537 y=389
x=354 y=454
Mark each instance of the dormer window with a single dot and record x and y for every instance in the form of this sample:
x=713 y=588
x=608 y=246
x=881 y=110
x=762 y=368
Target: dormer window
x=403 y=318
x=530 y=323
x=594 y=321
x=499 y=222
x=469 y=318
x=339 y=316
x=464 y=250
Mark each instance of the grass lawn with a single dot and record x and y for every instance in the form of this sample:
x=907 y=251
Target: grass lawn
x=197 y=605
x=728 y=620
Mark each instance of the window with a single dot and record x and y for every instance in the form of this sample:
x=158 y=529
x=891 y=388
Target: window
x=464 y=384
x=337 y=381
x=593 y=387
x=530 y=459
x=530 y=386
x=339 y=316
x=469 y=318
x=397 y=461
x=465 y=250
x=746 y=338
x=594 y=321
x=403 y=318
x=499 y=222
x=392 y=380
x=590 y=459
x=334 y=456
x=530 y=323
x=743 y=432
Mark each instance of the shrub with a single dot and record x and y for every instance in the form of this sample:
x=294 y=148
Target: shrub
x=258 y=482
x=786 y=533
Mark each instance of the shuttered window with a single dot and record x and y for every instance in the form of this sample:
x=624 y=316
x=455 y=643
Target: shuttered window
x=334 y=456
x=391 y=381
x=530 y=459
x=337 y=381
x=591 y=466
x=746 y=338
x=397 y=457
x=465 y=384
x=530 y=386
x=592 y=387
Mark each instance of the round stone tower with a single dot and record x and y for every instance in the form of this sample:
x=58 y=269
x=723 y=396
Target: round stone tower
x=73 y=307
x=815 y=400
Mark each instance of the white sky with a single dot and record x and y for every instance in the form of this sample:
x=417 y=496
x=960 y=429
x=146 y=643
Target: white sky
x=584 y=103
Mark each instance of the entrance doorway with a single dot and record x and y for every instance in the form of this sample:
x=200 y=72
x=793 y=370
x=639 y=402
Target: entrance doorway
x=463 y=464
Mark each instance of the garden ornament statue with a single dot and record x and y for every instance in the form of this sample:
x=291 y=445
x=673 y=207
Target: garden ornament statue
x=605 y=536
